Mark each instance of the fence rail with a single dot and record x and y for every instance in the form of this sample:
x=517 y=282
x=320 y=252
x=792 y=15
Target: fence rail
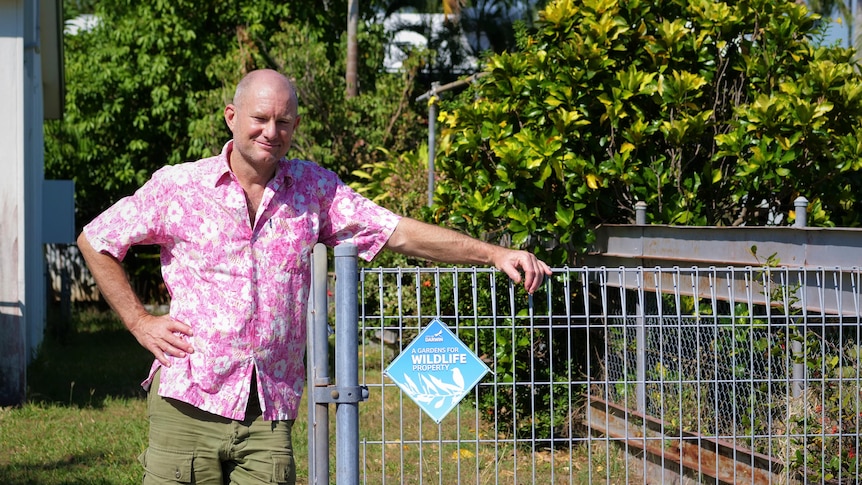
x=621 y=375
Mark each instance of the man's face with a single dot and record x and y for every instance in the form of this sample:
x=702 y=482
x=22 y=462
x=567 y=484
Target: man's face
x=263 y=123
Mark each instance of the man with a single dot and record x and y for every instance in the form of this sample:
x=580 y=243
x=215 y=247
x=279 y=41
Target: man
x=236 y=232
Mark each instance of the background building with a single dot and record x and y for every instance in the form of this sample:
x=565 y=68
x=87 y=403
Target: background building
x=31 y=87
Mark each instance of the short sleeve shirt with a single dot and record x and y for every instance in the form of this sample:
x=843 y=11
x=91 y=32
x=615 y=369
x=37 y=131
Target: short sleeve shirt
x=243 y=289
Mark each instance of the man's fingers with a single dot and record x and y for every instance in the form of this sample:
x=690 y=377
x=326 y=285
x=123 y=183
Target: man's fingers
x=176 y=326
x=532 y=282
x=163 y=358
x=512 y=272
x=534 y=270
x=171 y=347
x=180 y=341
x=165 y=338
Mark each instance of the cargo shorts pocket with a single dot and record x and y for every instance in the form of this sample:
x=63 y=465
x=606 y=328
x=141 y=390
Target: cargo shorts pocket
x=168 y=465
x=283 y=468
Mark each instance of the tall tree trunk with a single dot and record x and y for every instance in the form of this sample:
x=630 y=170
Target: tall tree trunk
x=352 y=48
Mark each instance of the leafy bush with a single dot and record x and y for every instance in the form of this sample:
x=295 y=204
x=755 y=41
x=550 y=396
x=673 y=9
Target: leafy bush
x=713 y=113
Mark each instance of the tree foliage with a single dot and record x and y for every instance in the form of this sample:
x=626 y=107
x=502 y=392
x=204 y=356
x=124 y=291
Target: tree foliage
x=713 y=113
x=146 y=87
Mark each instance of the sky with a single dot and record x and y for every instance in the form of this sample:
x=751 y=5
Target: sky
x=837 y=30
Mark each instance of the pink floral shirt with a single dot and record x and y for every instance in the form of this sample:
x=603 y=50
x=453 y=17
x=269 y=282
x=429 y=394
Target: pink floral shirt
x=242 y=289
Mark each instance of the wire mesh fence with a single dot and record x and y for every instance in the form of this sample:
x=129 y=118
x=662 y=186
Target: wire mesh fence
x=624 y=375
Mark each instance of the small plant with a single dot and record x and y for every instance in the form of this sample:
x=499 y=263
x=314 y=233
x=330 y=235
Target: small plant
x=822 y=423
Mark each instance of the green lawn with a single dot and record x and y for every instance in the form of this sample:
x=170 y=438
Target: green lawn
x=85 y=417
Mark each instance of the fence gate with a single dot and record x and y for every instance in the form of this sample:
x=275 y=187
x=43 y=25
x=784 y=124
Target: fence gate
x=605 y=375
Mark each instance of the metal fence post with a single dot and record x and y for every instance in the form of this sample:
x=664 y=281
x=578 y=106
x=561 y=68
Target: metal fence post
x=318 y=370
x=640 y=213
x=640 y=329
x=641 y=346
x=798 y=376
x=347 y=392
x=801 y=205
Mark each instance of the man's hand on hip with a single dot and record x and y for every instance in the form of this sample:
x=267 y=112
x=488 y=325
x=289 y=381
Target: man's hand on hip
x=164 y=337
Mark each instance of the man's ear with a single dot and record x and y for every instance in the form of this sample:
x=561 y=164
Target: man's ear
x=230 y=116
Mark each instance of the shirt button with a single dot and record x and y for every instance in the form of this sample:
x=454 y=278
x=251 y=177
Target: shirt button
x=177 y=474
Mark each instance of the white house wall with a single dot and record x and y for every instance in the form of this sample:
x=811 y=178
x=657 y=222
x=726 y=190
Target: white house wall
x=22 y=303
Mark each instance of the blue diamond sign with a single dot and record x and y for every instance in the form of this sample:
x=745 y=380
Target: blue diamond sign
x=436 y=370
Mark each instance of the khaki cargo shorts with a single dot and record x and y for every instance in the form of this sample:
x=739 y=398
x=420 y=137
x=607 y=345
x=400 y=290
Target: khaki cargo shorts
x=187 y=445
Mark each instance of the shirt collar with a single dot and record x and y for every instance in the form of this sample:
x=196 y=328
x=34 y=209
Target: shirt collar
x=222 y=167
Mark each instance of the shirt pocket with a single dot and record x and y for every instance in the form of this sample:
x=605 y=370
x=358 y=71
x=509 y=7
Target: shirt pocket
x=287 y=242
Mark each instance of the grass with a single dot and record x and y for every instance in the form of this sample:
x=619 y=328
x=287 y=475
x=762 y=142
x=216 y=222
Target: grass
x=49 y=443
x=85 y=417
x=85 y=422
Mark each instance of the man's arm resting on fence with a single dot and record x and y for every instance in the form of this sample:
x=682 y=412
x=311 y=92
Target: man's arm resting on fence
x=158 y=334
x=435 y=243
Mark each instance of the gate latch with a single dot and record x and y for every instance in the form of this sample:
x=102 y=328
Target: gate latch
x=340 y=394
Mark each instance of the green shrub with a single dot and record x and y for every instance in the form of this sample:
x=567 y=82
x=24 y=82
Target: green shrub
x=713 y=113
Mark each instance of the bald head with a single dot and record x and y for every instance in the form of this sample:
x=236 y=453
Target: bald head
x=254 y=81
